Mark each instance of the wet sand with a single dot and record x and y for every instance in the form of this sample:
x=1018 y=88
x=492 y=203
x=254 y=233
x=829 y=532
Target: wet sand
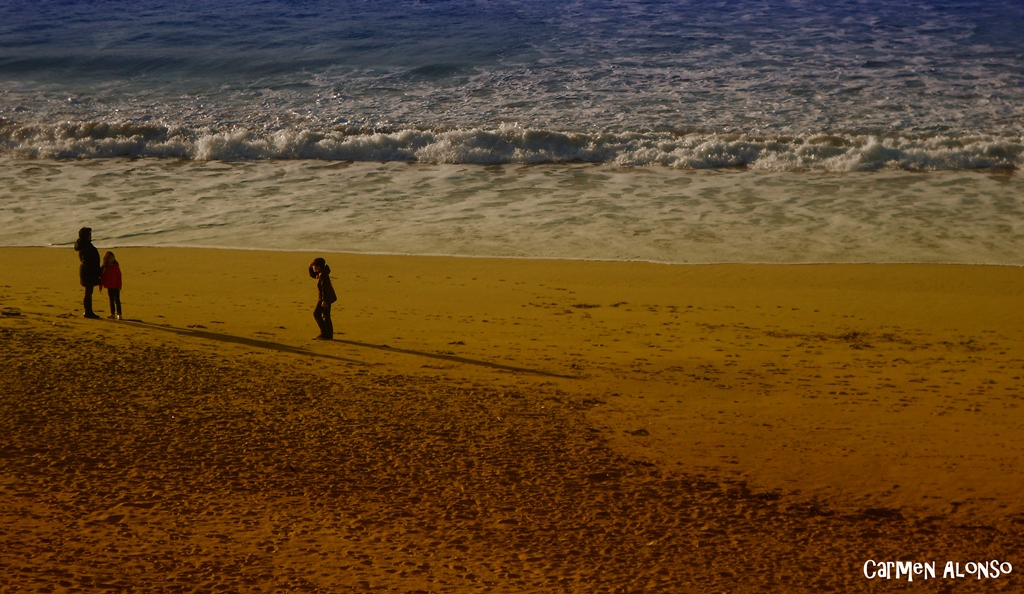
x=497 y=425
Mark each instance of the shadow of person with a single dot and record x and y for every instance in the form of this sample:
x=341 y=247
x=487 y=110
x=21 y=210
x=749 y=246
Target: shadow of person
x=287 y=348
x=455 y=358
x=250 y=342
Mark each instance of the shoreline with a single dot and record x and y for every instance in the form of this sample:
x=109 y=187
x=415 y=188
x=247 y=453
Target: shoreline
x=518 y=258
x=546 y=212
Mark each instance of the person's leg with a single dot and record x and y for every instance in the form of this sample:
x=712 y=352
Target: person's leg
x=318 y=315
x=115 y=301
x=327 y=330
x=87 y=302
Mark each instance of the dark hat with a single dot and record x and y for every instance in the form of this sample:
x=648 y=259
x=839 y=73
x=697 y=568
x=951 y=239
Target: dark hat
x=84 y=231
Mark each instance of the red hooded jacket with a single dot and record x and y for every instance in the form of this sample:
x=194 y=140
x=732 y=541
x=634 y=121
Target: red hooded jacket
x=111 y=277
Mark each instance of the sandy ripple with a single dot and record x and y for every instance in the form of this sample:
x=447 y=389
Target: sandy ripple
x=155 y=468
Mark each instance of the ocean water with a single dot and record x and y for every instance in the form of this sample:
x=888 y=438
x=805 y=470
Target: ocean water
x=686 y=131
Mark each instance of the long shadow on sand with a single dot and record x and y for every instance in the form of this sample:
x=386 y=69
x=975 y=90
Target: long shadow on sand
x=453 y=358
x=252 y=342
x=285 y=348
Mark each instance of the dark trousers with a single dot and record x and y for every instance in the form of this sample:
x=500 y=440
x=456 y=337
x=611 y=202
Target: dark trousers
x=87 y=302
x=115 y=300
x=322 y=315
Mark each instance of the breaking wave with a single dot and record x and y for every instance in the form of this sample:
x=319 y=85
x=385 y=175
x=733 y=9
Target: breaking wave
x=514 y=144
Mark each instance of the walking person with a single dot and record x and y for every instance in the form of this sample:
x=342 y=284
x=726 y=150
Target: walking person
x=326 y=296
x=110 y=279
x=89 y=271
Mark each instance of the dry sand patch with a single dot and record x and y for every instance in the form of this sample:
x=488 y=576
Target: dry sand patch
x=142 y=466
x=551 y=419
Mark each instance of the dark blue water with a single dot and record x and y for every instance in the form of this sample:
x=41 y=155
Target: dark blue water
x=843 y=85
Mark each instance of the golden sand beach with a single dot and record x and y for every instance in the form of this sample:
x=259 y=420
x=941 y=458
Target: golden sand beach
x=507 y=425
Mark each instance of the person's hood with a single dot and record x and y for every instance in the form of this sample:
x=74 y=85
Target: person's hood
x=325 y=269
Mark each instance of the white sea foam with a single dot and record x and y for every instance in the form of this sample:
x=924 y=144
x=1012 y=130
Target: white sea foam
x=583 y=211
x=516 y=145
x=671 y=131
x=913 y=69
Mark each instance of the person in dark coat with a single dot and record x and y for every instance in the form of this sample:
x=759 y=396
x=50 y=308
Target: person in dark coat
x=325 y=297
x=90 y=270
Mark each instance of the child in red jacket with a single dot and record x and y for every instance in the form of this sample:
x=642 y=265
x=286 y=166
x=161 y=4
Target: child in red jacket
x=110 y=279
